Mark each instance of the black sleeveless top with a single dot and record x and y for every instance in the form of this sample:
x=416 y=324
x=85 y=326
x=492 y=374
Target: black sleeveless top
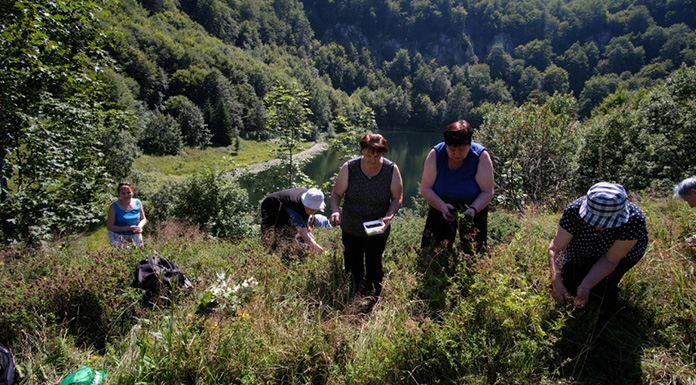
x=366 y=199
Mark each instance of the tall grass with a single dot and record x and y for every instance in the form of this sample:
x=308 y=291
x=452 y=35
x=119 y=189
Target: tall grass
x=66 y=305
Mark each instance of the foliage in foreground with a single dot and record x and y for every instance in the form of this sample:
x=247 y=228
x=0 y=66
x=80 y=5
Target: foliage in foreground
x=497 y=323
x=53 y=162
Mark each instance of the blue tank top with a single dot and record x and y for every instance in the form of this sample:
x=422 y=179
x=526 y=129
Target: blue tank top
x=127 y=218
x=457 y=185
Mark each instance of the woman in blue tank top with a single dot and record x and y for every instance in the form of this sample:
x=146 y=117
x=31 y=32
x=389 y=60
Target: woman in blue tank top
x=458 y=184
x=126 y=218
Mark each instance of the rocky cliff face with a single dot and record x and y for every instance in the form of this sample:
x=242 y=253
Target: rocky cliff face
x=447 y=50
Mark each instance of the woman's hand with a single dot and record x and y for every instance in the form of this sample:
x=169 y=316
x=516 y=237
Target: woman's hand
x=136 y=229
x=335 y=219
x=318 y=249
x=559 y=292
x=582 y=298
x=387 y=221
x=556 y=249
x=470 y=212
x=446 y=213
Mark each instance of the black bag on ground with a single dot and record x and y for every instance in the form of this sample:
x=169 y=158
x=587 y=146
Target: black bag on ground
x=156 y=273
x=7 y=367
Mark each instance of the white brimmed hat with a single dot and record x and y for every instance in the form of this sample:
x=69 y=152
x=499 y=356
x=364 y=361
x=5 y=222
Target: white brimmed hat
x=314 y=199
x=605 y=205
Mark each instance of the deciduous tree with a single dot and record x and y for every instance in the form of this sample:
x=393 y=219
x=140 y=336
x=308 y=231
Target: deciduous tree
x=288 y=114
x=53 y=177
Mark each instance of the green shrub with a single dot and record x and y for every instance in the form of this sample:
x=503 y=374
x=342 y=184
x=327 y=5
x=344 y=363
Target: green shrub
x=501 y=227
x=213 y=201
x=190 y=118
x=87 y=294
x=209 y=199
x=161 y=136
x=529 y=146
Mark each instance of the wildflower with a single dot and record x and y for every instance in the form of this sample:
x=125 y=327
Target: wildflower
x=93 y=359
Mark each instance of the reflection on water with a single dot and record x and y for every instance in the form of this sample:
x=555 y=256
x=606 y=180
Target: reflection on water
x=407 y=149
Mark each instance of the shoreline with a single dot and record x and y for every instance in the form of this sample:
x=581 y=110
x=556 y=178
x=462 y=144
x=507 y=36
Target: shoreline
x=256 y=168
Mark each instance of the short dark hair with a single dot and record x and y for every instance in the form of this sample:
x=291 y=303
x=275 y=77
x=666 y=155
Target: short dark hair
x=458 y=133
x=375 y=142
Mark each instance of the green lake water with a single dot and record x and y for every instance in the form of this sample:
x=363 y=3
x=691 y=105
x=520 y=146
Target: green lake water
x=407 y=149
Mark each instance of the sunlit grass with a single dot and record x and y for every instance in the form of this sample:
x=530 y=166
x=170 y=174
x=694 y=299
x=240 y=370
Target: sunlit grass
x=193 y=159
x=97 y=239
x=301 y=326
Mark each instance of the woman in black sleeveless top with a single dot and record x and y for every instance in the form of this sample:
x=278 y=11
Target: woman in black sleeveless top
x=371 y=188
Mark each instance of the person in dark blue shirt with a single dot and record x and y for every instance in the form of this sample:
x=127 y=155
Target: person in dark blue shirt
x=457 y=179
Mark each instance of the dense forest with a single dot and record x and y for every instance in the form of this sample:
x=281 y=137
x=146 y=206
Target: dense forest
x=88 y=86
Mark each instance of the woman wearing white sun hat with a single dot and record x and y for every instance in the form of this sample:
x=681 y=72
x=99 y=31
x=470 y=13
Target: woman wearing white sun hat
x=599 y=237
x=286 y=213
x=686 y=190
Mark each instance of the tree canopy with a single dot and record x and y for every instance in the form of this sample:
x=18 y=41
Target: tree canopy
x=94 y=83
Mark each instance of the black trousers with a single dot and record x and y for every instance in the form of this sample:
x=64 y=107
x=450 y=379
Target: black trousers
x=440 y=233
x=606 y=292
x=362 y=256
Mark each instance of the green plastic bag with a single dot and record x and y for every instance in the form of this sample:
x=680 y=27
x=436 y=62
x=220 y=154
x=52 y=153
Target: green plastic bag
x=84 y=376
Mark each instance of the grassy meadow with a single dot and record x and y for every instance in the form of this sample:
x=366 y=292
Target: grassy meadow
x=260 y=318
x=489 y=320
x=155 y=170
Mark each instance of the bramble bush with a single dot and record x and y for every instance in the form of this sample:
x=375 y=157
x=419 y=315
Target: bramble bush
x=88 y=295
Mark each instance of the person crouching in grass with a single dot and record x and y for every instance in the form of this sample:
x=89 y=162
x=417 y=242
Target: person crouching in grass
x=599 y=238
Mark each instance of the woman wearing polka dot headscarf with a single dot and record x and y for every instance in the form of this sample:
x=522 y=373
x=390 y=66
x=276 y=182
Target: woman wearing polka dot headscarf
x=599 y=238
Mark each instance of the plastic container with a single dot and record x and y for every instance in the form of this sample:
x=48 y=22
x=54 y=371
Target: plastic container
x=374 y=227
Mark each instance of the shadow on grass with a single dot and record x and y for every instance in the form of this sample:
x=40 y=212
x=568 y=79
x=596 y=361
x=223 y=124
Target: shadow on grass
x=596 y=351
x=85 y=318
